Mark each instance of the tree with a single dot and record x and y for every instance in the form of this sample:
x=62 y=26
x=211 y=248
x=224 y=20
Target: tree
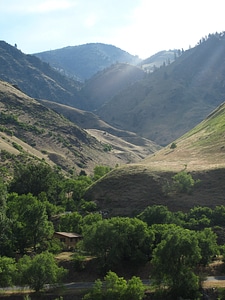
x=100 y=171
x=5 y=233
x=30 y=223
x=199 y=217
x=156 y=214
x=70 y=222
x=118 y=239
x=117 y=288
x=38 y=178
x=174 y=259
x=135 y=289
x=207 y=241
x=183 y=182
x=7 y=271
x=40 y=270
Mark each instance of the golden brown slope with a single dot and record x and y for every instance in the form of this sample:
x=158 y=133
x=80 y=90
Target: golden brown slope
x=30 y=131
x=202 y=148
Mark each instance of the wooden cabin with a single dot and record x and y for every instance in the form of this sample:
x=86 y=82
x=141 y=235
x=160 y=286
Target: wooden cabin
x=69 y=239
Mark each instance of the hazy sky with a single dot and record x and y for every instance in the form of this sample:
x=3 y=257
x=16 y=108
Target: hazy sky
x=140 y=27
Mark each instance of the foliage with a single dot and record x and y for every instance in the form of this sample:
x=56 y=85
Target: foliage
x=173 y=260
x=199 y=217
x=117 y=288
x=36 y=179
x=156 y=214
x=173 y=146
x=40 y=270
x=75 y=189
x=100 y=171
x=70 y=222
x=79 y=262
x=183 y=182
x=117 y=239
x=30 y=225
x=7 y=271
x=207 y=241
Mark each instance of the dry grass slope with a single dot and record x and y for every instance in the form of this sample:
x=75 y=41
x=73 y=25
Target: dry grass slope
x=130 y=189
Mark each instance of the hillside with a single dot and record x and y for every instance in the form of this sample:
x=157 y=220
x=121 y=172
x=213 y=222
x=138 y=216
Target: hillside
x=174 y=98
x=83 y=61
x=36 y=78
x=30 y=131
x=128 y=190
x=126 y=144
x=101 y=87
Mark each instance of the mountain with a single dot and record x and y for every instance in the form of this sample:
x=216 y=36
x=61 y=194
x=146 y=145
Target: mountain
x=82 y=62
x=159 y=59
x=29 y=131
x=200 y=152
x=36 y=78
x=174 y=98
x=101 y=87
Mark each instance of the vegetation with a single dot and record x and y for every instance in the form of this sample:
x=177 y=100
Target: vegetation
x=117 y=288
x=183 y=182
x=35 y=203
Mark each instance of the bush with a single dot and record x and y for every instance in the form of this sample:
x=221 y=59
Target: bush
x=183 y=182
x=173 y=146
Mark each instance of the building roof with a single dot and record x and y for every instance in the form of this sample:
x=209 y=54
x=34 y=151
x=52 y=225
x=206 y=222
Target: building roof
x=68 y=234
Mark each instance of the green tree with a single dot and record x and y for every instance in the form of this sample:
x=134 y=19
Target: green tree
x=118 y=239
x=156 y=214
x=100 y=171
x=70 y=222
x=218 y=216
x=207 y=241
x=116 y=288
x=7 y=271
x=199 y=217
x=38 y=178
x=30 y=225
x=135 y=289
x=5 y=233
x=40 y=270
x=183 y=182
x=174 y=259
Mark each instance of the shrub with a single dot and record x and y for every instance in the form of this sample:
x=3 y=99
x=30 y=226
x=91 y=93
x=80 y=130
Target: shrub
x=183 y=182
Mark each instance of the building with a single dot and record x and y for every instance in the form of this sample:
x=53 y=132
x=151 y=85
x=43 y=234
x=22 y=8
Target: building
x=69 y=239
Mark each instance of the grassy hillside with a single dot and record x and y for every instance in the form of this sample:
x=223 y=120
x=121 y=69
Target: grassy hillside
x=130 y=189
x=30 y=131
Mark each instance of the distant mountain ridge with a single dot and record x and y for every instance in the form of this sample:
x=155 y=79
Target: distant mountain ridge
x=83 y=61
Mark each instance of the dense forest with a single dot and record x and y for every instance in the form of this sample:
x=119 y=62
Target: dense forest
x=40 y=200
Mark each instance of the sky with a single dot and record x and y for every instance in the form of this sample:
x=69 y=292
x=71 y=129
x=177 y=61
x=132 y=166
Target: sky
x=140 y=27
